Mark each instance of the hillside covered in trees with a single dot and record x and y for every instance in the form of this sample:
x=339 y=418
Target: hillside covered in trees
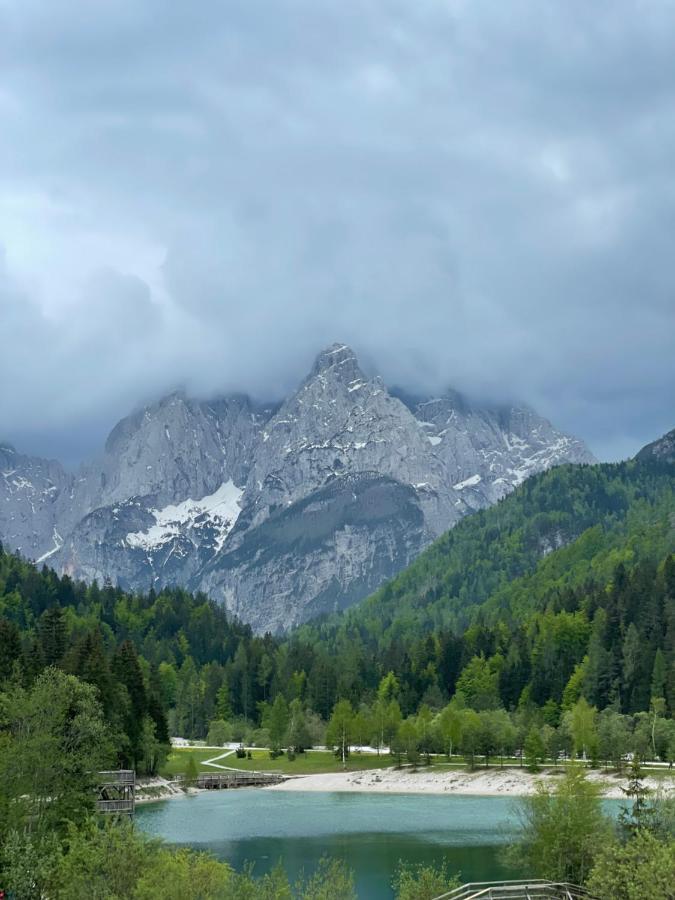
x=563 y=591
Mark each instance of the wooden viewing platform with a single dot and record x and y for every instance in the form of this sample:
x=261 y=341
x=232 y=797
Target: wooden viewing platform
x=117 y=792
x=226 y=780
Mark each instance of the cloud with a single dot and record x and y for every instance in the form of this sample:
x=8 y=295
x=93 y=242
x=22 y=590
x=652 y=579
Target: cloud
x=206 y=195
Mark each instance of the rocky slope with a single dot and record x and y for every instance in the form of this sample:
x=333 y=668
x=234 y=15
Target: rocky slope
x=282 y=512
x=660 y=451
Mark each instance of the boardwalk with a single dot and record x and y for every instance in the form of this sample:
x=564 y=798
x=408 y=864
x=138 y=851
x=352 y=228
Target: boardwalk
x=232 y=779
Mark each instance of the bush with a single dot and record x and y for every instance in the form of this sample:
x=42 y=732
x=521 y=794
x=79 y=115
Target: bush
x=423 y=882
x=644 y=867
x=562 y=829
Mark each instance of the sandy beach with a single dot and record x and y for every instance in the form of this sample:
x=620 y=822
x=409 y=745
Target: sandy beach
x=513 y=782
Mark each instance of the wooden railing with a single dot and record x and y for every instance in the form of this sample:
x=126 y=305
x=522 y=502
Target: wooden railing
x=115 y=806
x=537 y=889
x=117 y=776
x=116 y=792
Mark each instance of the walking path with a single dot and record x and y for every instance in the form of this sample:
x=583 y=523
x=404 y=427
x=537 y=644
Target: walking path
x=214 y=762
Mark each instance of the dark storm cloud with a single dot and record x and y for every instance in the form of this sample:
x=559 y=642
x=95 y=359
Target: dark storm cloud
x=474 y=194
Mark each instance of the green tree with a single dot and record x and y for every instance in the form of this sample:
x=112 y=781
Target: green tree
x=478 y=683
x=562 y=829
x=52 y=630
x=184 y=873
x=339 y=731
x=659 y=670
x=55 y=743
x=613 y=737
x=191 y=771
x=534 y=749
x=219 y=733
x=644 y=867
x=472 y=728
x=583 y=727
x=299 y=738
x=388 y=688
x=276 y=720
x=657 y=709
x=423 y=881
x=640 y=814
x=423 y=724
x=408 y=740
x=127 y=670
x=331 y=879
x=449 y=727
x=104 y=860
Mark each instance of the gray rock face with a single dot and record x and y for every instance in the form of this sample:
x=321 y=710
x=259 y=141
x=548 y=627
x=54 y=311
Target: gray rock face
x=281 y=512
x=34 y=498
x=661 y=451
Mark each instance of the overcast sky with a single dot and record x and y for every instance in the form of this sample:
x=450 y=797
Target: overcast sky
x=477 y=194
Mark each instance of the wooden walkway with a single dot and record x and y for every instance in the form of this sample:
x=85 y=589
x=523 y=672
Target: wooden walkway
x=227 y=780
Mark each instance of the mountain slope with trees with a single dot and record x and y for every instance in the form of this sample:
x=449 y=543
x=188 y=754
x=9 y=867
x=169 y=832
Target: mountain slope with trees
x=492 y=609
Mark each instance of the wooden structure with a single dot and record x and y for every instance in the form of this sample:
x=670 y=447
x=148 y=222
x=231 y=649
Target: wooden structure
x=536 y=889
x=117 y=792
x=231 y=779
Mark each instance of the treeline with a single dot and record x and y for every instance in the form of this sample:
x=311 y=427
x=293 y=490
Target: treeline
x=172 y=655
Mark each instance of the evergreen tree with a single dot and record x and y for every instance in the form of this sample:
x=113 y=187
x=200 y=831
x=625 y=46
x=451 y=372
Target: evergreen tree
x=128 y=673
x=640 y=814
x=52 y=632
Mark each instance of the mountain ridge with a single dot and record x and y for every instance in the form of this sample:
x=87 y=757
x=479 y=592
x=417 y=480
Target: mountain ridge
x=187 y=491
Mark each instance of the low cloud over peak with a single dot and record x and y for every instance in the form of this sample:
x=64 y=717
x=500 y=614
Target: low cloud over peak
x=206 y=197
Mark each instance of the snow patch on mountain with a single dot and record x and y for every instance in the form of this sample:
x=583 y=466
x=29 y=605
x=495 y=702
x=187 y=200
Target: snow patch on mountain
x=221 y=508
x=468 y=482
x=58 y=543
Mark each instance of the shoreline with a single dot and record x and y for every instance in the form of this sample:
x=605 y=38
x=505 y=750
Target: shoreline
x=506 y=782
x=495 y=782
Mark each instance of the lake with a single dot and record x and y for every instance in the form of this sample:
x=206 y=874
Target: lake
x=371 y=832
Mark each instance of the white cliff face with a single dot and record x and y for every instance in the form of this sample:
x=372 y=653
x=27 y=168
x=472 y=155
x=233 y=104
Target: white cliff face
x=280 y=512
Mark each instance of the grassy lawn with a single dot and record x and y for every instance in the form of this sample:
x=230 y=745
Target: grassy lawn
x=313 y=762
x=316 y=762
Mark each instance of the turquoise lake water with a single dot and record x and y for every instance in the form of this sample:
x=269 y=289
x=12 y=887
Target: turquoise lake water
x=371 y=832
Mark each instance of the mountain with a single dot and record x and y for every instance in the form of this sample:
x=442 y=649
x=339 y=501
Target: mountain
x=662 y=450
x=560 y=532
x=281 y=511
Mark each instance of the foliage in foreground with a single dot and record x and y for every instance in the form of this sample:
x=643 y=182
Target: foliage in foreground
x=423 y=882
x=567 y=837
x=644 y=867
x=562 y=828
x=113 y=861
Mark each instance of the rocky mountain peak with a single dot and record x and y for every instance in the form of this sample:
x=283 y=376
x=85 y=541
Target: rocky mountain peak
x=337 y=361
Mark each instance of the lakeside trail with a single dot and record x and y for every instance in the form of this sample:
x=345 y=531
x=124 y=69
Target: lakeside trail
x=509 y=781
